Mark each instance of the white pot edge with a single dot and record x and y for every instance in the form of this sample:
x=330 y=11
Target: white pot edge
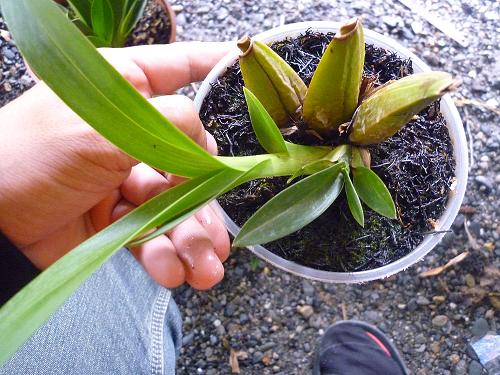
x=457 y=135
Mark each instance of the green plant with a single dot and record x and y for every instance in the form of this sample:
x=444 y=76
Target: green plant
x=104 y=99
x=106 y=23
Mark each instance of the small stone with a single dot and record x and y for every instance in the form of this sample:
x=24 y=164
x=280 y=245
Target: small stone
x=222 y=14
x=373 y=316
x=5 y=35
x=213 y=340
x=438 y=299
x=7 y=87
x=217 y=323
x=188 y=339
x=417 y=27
x=420 y=339
x=484 y=181
x=177 y=8
x=435 y=347
x=209 y=352
x=390 y=21
x=469 y=280
x=475 y=368
x=244 y=318
x=454 y=358
x=306 y=311
x=307 y=347
x=229 y=310
x=439 y=320
x=422 y=301
x=257 y=357
x=480 y=327
x=267 y=346
x=308 y=288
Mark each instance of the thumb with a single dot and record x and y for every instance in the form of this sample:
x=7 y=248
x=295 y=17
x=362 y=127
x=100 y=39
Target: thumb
x=180 y=110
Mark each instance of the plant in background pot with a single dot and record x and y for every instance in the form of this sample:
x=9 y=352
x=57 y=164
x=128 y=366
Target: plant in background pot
x=107 y=102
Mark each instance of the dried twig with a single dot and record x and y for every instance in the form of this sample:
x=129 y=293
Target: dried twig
x=436 y=271
x=233 y=362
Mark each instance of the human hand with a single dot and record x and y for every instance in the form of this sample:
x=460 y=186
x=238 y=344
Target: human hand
x=62 y=182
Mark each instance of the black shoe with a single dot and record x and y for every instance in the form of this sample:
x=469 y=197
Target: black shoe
x=355 y=348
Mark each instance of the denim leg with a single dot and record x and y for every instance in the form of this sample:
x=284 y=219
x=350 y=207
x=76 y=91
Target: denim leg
x=118 y=322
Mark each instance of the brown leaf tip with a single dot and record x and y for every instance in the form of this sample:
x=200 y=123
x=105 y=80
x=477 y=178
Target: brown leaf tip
x=348 y=29
x=245 y=45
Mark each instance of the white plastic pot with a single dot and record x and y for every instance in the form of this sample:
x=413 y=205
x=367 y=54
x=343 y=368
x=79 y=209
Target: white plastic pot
x=455 y=129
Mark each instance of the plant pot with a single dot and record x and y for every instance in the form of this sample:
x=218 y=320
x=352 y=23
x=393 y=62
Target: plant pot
x=455 y=129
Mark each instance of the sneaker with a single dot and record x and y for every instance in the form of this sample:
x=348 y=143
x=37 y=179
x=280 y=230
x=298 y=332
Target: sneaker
x=355 y=348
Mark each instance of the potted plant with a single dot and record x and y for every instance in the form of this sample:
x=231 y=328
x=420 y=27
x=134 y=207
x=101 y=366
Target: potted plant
x=217 y=109
x=110 y=23
x=105 y=100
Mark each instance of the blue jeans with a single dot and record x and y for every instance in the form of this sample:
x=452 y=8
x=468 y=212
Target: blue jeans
x=118 y=322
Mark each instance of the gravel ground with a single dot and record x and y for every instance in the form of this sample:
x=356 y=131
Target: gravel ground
x=270 y=320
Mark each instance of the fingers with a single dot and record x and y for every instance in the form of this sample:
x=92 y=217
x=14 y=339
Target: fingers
x=216 y=231
x=159 y=259
x=142 y=184
x=202 y=266
x=172 y=66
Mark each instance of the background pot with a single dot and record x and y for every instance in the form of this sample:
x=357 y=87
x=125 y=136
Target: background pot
x=455 y=129
x=165 y=5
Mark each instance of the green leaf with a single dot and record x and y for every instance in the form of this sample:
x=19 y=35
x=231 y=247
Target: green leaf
x=82 y=9
x=103 y=19
x=134 y=12
x=310 y=168
x=98 y=42
x=277 y=86
x=353 y=199
x=293 y=208
x=172 y=223
x=332 y=96
x=265 y=129
x=23 y=314
x=390 y=108
x=373 y=192
x=97 y=93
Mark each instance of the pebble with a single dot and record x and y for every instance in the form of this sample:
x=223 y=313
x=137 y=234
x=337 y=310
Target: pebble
x=480 y=327
x=469 y=280
x=439 y=320
x=422 y=301
x=306 y=311
x=308 y=288
x=484 y=181
x=475 y=368
x=244 y=318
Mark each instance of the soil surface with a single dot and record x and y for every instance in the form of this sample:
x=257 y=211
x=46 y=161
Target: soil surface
x=154 y=27
x=271 y=320
x=416 y=164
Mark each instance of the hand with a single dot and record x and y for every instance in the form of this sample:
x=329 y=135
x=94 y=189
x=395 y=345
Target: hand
x=62 y=182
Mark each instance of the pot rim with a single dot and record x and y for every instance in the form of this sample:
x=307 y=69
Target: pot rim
x=455 y=129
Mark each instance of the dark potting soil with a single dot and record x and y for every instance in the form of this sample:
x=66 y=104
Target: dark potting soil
x=417 y=165
x=154 y=27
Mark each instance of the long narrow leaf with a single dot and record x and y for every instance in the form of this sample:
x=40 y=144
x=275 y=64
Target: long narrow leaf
x=82 y=8
x=22 y=315
x=90 y=86
x=353 y=199
x=103 y=20
x=373 y=192
x=293 y=208
x=172 y=223
x=134 y=13
x=265 y=128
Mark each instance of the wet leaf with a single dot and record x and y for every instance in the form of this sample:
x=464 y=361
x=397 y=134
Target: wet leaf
x=268 y=134
x=373 y=192
x=280 y=90
x=293 y=208
x=353 y=199
x=385 y=112
x=332 y=96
